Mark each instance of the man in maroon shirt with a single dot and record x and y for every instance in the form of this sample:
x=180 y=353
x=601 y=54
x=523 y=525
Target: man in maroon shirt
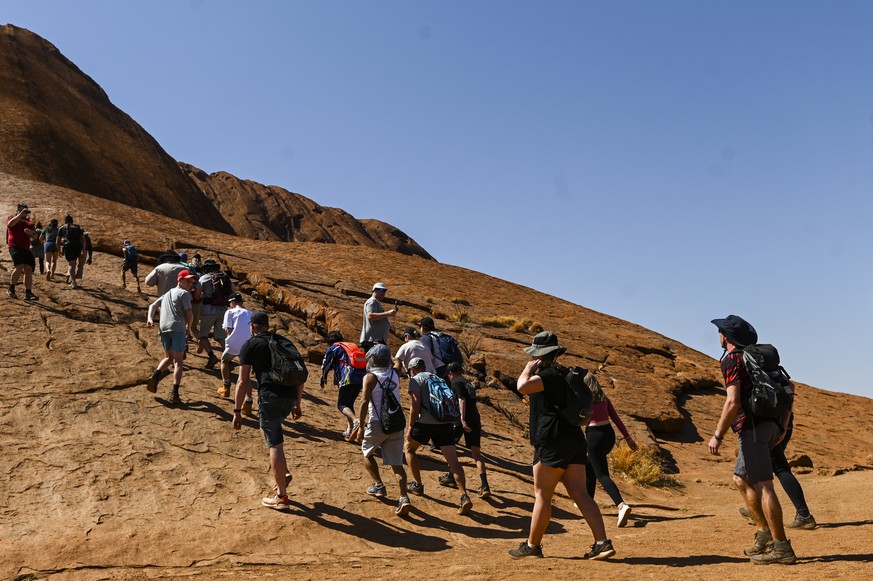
x=19 y=232
x=753 y=473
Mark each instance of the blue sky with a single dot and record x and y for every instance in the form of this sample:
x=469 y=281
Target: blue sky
x=663 y=162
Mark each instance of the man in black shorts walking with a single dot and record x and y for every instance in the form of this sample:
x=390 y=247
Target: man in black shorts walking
x=753 y=473
x=19 y=235
x=73 y=238
x=422 y=428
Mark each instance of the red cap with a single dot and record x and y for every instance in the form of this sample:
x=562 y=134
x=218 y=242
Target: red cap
x=185 y=274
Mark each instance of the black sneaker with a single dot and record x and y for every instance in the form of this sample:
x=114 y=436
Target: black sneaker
x=484 y=492
x=447 y=479
x=10 y=292
x=413 y=487
x=213 y=360
x=600 y=551
x=525 y=550
x=174 y=398
x=29 y=296
x=466 y=505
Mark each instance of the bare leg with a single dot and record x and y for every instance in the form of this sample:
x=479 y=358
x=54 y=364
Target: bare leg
x=771 y=508
x=412 y=459
x=373 y=469
x=280 y=467
x=451 y=455
x=400 y=476
x=545 y=481
x=177 y=368
x=574 y=481
x=753 y=502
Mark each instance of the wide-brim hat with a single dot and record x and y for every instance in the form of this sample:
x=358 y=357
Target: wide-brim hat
x=737 y=330
x=543 y=344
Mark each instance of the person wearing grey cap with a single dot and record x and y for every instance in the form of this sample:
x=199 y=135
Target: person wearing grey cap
x=753 y=472
x=376 y=326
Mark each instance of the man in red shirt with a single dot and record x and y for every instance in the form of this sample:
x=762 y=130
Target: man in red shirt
x=19 y=233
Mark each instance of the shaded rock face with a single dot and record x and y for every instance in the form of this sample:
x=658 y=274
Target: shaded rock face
x=273 y=213
x=59 y=127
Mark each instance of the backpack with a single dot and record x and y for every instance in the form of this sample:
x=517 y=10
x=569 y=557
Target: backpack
x=221 y=289
x=287 y=368
x=73 y=233
x=772 y=392
x=577 y=408
x=443 y=402
x=357 y=358
x=447 y=348
x=390 y=412
x=132 y=255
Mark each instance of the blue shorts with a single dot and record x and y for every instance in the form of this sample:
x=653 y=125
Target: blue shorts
x=272 y=411
x=50 y=247
x=173 y=341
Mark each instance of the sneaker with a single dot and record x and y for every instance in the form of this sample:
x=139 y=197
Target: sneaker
x=10 y=291
x=484 y=492
x=247 y=407
x=447 y=479
x=748 y=514
x=415 y=488
x=213 y=361
x=377 y=490
x=466 y=504
x=29 y=296
x=403 y=506
x=600 y=551
x=276 y=501
x=623 y=514
x=525 y=550
x=224 y=391
x=781 y=554
x=806 y=523
x=763 y=544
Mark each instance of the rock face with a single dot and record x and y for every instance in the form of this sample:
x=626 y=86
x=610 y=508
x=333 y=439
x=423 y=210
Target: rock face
x=273 y=213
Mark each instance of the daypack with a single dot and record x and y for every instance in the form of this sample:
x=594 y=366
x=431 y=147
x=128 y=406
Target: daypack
x=221 y=289
x=772 y=392
x=390 y=412
x=287 y=368
x=357 y=358
x=132 y=255
x=73 y=233
x=577 y=407
x=443 y=402
x=447 y=348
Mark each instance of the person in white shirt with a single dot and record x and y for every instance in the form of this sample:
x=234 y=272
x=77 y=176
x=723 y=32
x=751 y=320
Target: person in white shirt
x=411 y=349
x=236 y=325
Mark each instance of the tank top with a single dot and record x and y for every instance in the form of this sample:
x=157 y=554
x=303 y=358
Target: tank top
x=386 y=379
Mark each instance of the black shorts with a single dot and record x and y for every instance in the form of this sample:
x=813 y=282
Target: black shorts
x=131 y=266
x=22 y=256
x=440 y=434
x=72 y=252
x=473 y=437
x=562 y=453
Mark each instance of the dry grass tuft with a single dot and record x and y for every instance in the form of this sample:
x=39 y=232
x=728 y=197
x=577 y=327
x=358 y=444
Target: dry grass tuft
x=642 y=467
x=500 y=322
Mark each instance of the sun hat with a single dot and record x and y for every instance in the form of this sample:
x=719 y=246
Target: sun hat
x=544 y=344
x=380 y=286
x=737 y=330
x=379 y=355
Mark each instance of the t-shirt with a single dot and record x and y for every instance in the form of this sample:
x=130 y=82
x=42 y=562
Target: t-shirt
x=389 y=381
x=418 y=384
x=238 y=319
x=51 y=235
x=256 y=352
x=35 y=242
x=546 y=427
x=467 y=392
x=734 y=371
x=412 y=349
x=16 y=237
x=174 y=306
x=164 y=276
x=375 y=330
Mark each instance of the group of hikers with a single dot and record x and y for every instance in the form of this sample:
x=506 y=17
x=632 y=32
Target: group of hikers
x=30 y=243
x=571 y=421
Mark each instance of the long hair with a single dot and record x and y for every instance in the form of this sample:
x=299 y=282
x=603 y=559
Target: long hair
x=597 y=394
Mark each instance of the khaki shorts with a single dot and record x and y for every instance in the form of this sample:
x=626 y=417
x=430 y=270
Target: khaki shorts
x=390 y=444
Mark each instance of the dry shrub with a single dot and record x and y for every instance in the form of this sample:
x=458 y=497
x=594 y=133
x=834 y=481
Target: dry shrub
x=438 y=314
x=459 y=301
x=642 y=467
x=519 y=327
x=461 y=312
x=501 y=322
x=536 y=327
x=468 y=343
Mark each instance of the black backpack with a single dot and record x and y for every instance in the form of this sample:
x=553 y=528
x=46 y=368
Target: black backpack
x=772 y=393
x=390 y=412
x=577 y=407
x=287 y=368
x=73 y=233
x=222 y=288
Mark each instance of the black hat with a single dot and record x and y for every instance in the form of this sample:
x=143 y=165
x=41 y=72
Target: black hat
x=426 y=322
x=235 y=297
x=411 y=331
x=261 y=319
x=737 y=330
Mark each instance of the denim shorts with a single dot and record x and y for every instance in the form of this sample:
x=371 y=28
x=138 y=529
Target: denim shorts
x=272 y=411
x=173 y=341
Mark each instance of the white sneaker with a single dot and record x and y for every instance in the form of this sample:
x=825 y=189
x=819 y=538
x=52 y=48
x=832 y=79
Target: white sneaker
x=623 y=514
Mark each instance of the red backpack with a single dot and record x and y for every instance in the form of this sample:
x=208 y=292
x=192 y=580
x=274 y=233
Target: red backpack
x=357 y=358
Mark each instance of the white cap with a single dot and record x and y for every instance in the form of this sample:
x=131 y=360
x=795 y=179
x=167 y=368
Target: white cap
x=380 y=285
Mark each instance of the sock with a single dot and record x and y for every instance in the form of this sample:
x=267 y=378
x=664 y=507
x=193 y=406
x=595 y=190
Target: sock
x=227 y=384
x=484 y=479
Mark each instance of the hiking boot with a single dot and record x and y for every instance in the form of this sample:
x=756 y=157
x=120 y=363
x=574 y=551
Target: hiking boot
x=276 y=501
x=748 y=514
x=29 y=296
x=224 y=391
x=174 y=397
x=525 y=550
x=806 y=523
x=199 y=348
x=247 y=407
x=484 y=492
x=403 y=506
x=623 y=514
x=152 y=383
x=600 y=551
x=763 y=544
x=415 y=488
x=466 y=504
x=377 y=490
x=447 y=479
x=10 y=291
x=213 y=361
x=781 y=554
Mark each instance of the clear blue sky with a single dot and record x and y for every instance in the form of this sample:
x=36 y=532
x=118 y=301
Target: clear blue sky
x=662 y=162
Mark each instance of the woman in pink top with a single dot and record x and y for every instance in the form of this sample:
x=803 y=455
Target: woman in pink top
x=601 y=440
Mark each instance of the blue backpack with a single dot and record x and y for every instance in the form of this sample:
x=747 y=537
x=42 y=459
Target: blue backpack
x=447 y=348
x=443 y=402
x=132 y=255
